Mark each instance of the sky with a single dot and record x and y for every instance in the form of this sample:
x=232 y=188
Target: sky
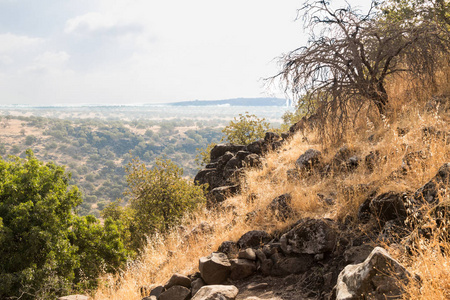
x=72 y=52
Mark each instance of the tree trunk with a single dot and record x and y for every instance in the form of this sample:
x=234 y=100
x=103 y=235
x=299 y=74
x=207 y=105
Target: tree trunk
x=379 y=97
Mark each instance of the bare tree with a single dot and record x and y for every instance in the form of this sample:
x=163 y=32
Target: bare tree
x=352 y=55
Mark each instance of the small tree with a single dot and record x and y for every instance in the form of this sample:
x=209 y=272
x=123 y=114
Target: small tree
x=160 y=196
x=353 y=54
x=248 y=128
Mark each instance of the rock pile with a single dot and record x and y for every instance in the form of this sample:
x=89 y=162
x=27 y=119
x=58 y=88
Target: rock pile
x=227 y=162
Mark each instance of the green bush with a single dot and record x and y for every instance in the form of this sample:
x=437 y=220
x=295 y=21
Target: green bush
x=160 y=196
x=45 y=249
x=245 y=130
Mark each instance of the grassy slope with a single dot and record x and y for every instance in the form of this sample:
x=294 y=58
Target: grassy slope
x=179 y=252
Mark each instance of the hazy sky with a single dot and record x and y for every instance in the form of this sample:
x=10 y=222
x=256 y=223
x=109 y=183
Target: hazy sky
x=142 y=51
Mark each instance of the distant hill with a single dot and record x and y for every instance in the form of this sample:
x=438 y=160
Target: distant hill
x=234 y=102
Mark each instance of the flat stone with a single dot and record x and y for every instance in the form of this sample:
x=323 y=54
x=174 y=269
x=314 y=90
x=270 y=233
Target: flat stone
x=216 y=292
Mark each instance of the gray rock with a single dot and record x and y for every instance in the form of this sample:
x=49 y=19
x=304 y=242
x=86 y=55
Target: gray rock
x=357 y=254
x=150 y=298
x=260 y=255
x=389 y=206
x=281 y=208
x=308 y=160
x=258 y=147
x=215 y=268
x=242 y=268
x=221 y=149
x=221 y=193
x=266 y=267
x=216 y=292
x=433 y=189
x=178 y=279
x=248 y=253
x=253 y=238
x=175 y=293
x=310 y=236
x=230 y=248
x=157 y=291
x=197 y=284
x=253 y=161
x=378 y=277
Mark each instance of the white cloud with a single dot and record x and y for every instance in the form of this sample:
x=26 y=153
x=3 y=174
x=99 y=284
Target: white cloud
x=49 y=62
x=97 y=23
x=11 y=43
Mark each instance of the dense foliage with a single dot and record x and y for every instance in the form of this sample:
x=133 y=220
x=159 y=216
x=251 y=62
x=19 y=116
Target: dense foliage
x=96 y=151
x=45 y=249
x=245 y=129
x=159 y=197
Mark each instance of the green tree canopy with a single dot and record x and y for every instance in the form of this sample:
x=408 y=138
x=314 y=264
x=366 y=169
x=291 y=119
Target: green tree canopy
x=45 y=249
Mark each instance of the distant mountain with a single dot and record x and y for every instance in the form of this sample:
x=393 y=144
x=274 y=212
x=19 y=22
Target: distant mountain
x=234 y=102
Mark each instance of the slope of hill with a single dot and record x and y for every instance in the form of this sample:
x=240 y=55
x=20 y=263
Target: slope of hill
x=348 y=186
x=235 y=102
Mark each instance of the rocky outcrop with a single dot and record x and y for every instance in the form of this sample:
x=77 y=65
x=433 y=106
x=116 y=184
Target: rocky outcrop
x=310 y=236
x=378 y=277
x=227 y=162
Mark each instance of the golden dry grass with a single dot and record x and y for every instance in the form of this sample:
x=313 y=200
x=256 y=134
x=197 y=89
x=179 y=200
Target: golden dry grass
x=392 y=138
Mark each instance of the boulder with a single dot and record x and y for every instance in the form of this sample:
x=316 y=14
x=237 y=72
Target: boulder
x=271 y=137
x=308 y=160
x=257 y=147
x=248 y=253
x=310 y=236
x=224 y=159
x=230 y=248
x=175 y=293
x=389 y=206
x=281 y=207
x=252 y=161
x=357 y=254
x=242 y=268
x=345 y=159
x=220 y=194
x=241 y=155
x=212 y=177
x=378 y=277
x=157 y=291
x=433 y=189
x=178 y=279
x=215 y=268
x=216 y=292
x=197 y=284
x=221 y=149
x=253 y=238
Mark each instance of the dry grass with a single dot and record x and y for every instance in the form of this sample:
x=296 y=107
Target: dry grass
x=393 y=139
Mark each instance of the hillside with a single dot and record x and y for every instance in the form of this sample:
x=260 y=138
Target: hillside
x=97 y=152
x=234 y=102
x=367 y=188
